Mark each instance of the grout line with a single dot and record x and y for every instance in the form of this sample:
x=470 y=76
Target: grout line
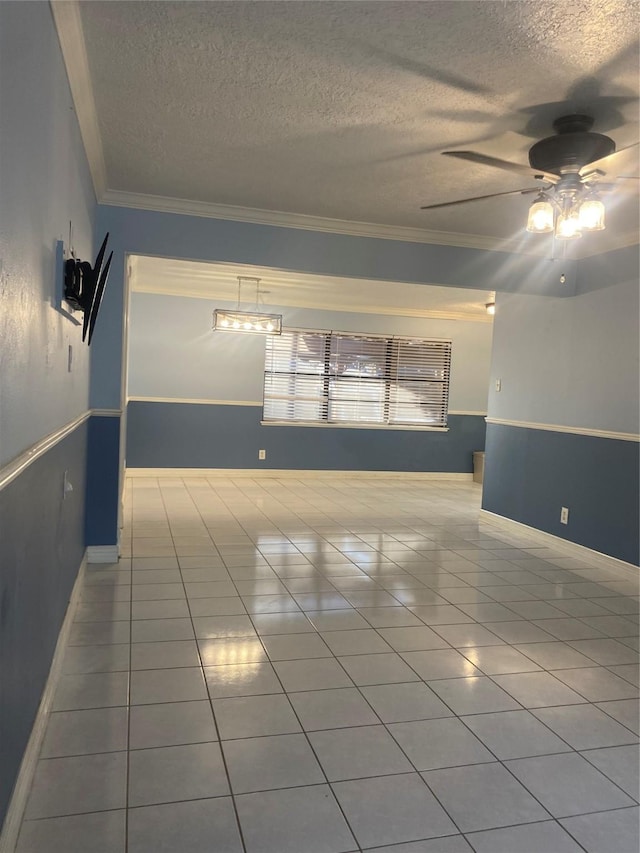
x=128 y=762
x=215 y=722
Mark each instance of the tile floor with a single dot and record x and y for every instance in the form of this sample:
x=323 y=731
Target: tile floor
x=331 y=666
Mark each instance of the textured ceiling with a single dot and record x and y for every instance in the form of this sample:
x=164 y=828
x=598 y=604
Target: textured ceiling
x=285 y=288
x=340 y=109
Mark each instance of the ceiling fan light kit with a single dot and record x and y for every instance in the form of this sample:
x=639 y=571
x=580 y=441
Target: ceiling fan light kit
x=571 y=163
x=566 y=217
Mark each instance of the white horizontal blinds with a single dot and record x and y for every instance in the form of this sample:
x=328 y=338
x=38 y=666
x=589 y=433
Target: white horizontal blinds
x=358 y=371
x=294 y=382
x=336 y=377
x=420 y=382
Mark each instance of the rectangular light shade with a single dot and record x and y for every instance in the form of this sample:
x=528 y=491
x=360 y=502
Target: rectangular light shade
x=251 y=322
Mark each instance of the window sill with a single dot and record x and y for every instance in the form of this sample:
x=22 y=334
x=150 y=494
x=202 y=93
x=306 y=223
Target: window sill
x=315 y=424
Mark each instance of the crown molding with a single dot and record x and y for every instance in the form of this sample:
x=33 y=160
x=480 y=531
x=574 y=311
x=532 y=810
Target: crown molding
x=174 y=288
x=518 y=245
x=68 y=22
x=186 y=207
x=66 y=16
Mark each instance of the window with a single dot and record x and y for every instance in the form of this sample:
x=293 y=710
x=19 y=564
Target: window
x=340 y=378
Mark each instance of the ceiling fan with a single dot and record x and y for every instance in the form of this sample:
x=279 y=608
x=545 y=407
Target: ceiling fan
x=570 y=165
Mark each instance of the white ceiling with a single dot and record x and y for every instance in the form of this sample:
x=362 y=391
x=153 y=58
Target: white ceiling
x=340 y=109
x=283 y=288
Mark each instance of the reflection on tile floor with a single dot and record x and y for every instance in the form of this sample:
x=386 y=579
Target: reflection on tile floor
x=332 y=666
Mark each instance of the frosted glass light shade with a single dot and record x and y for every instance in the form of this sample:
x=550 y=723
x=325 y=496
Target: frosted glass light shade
x=540 y=220
x=591 y=215
x=568 y=226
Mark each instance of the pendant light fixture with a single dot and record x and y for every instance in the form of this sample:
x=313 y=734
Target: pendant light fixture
x=251 y=322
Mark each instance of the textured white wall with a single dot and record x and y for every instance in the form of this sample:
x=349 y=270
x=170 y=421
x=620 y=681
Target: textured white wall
x=45 y=184
x=569 y=362
x=174 y=354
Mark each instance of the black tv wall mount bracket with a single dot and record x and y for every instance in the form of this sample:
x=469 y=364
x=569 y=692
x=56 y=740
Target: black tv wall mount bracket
x=84 y=287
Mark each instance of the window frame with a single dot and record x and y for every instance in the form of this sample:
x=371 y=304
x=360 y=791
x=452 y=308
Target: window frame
x=391 y=380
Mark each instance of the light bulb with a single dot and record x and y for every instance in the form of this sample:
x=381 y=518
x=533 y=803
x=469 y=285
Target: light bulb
x=540 y=219
x=236 y=324
x=591 y=215
x=491 y=307
x=224 y=322
x=247 y=326
x=568 y=226
x=269 y=327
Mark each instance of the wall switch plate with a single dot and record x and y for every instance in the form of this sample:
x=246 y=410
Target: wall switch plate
x=67 y=488
x=564 y=515
x=498 y=384
x=262 y=454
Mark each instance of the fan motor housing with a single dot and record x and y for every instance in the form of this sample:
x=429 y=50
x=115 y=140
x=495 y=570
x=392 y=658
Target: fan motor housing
x=573 y=146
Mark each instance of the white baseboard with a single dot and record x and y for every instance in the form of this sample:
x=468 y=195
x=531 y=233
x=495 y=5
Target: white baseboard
x=572 y=549
x=22 y=787
x=102 y=554
x=283 y=473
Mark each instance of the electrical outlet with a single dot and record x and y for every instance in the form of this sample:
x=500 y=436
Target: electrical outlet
x=262 y=454
x=498 y=384
x=564 y=515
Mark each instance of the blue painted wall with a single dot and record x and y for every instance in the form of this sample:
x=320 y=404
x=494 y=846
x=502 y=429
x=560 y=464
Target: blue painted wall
x=103 y=457
x=41 y=549
x=573 y=363
x=206 y=239
x=174 y=354
x=45 y=184
x=182 y=435
x=200 y=238
x=532 y=473
x=552 y=335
